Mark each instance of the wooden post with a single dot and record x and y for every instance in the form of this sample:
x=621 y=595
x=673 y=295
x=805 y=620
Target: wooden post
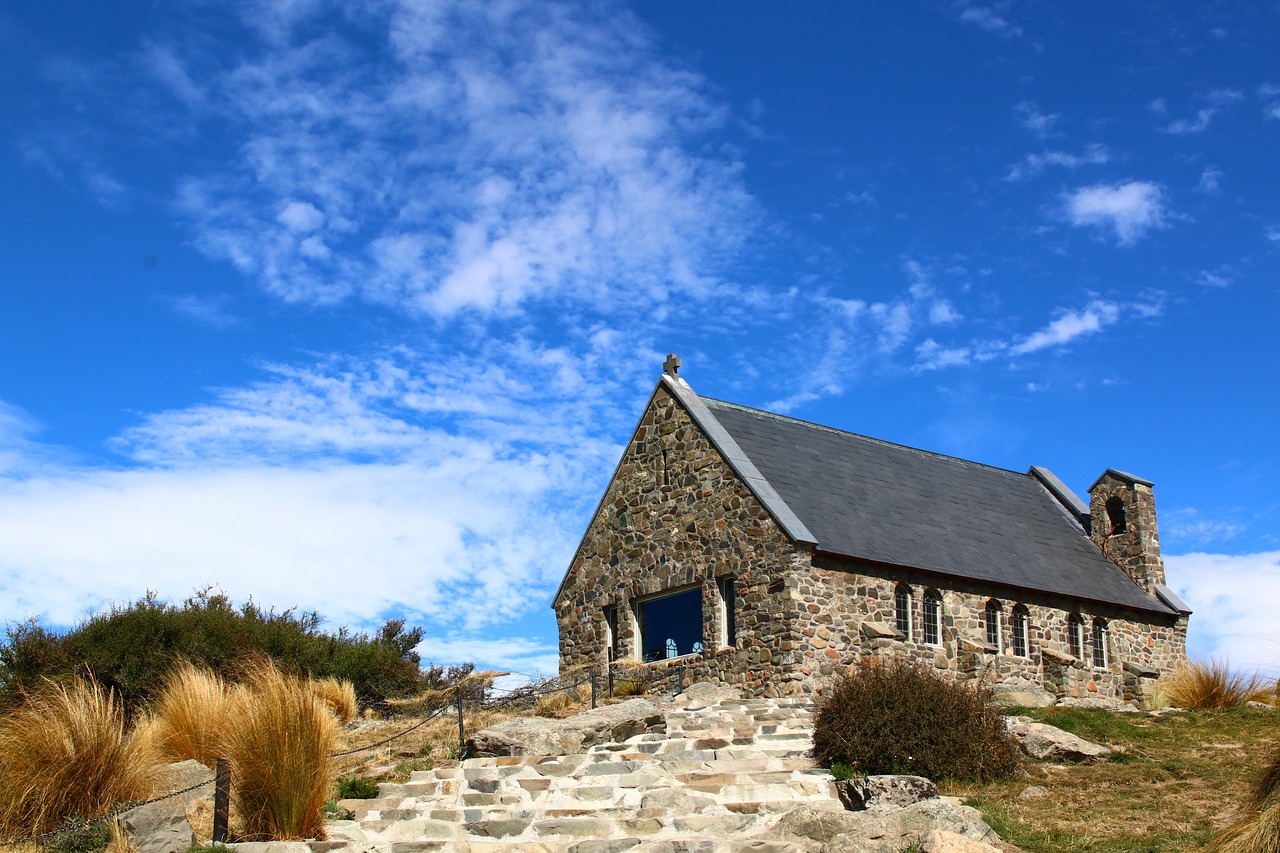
x=221 y=800
x=462 y=732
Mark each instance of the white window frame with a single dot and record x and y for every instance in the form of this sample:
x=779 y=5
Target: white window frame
x=932 y=623
x=1099 y=644
x=993 y=615
x=902 y=592
x=1019 y=627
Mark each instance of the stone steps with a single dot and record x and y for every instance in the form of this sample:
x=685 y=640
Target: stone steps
x=714 y=781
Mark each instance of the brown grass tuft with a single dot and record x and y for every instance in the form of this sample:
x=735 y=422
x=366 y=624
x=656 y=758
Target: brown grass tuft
x=190 y=715
x=1211 y=684
x=338 y=695
x=65 y=752
x=279 y=743
x=563 y=702
x=1257 y=830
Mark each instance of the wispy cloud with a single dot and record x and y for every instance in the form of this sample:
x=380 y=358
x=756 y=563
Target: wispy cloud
x=1130 y=210
x=1210 y=180
x=1199 y=124
x=1070 y=325
x=1224 y=590
x=1223 y=276
x=1038 y=123
x=990 y=17
x=1189 y=525
x=210 y=310
x=554 y=157
x=1036 y=163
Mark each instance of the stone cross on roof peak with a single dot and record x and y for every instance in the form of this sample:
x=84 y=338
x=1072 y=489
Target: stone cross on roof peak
x=672 y=365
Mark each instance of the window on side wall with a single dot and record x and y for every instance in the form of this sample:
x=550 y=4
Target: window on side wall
x=1018 y=624
x=611 y=632
x=1100 y=643
x=932 y=618
x=902 y=611
x=992 y=618
x=670 y=624
x=1075 y=635
x=728 y=612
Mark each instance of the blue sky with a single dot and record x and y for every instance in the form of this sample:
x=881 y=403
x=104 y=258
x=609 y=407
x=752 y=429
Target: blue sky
x=352 y=306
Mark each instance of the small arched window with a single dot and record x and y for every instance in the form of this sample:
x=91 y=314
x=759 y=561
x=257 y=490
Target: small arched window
x=1018 y=626
x=902 y=610
x=1100 y=643
x=1075 y=635
x=992 y=617
x=1115 y=515
x=932 y=618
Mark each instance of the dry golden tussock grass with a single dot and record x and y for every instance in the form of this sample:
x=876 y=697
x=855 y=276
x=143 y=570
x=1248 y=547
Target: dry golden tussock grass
x=571 y=700
x=189 y=717
x=66 y=752
x=279 y=743
x=475 y=683
x=1257 y=828
x=1210 y=683
x=338 y=695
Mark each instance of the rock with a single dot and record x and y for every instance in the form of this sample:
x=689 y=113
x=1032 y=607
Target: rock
x=945 y=841
x=1096 y=703
x=1255 y=704
x=162 y=827
x=1045 y=742
x=893 y=830
x=1058 y=657
x=1140 y=670
x=270 y=847
x=881 y=792
x=815 y=824
x=570 y=736
x=1033 y=792
x=879 y=631
x=707 y=693
x=1026 y=697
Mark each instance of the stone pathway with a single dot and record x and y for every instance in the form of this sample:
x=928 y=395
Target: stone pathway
x=714 y=782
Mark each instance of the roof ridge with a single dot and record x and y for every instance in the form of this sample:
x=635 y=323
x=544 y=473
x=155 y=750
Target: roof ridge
x=879 y=441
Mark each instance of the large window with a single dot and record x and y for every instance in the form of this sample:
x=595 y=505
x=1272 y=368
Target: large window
x=1018 y=624
x=611 y=632
x=728 y=615
x=670 y=625
x=1075 y=635
x=992 y=618
x=1100 y=643
x=902 y=611
x=932 y=618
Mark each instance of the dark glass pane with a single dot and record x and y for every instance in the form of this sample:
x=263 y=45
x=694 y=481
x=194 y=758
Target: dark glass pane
x=728 y=594
x=669 y=626
x=993 y=627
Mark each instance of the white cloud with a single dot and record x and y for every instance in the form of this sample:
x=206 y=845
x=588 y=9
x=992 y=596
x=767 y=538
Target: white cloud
x=1210 y=180
x=1273 y=233
x=989 y=17
x=1187 y=524
x=1221 y=277
x=931 y=355
x=1069 y=325
x=1131 y=209
x=548 y=155
x=1034 y=163
x=1031 y=119
x=209 y=310
x=1199 y=124
x=1233 y=596
x=447 y=489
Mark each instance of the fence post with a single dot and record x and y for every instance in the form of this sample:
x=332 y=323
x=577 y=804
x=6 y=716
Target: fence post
x=462 y=732
x=609 y=667
x=593 y=688
x=221 y=799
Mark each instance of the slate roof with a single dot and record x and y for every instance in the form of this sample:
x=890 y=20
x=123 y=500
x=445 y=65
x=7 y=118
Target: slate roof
x=865 y=498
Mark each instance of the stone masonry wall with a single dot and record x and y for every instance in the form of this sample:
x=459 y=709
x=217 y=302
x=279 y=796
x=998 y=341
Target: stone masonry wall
x=839 y=595
x=1136 y=550
x=677 y=516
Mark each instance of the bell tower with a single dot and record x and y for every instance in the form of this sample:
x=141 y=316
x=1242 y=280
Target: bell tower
x=1122 y=514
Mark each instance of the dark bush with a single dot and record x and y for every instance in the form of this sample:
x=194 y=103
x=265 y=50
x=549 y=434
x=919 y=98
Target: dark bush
x=130 y=647
x=895 y=716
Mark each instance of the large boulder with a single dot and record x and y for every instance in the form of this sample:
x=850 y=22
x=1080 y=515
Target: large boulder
x=945 y=841
x=162 y=827
x=1050 y=743
x=539 y=736
x=884 y=792
x=886 y=830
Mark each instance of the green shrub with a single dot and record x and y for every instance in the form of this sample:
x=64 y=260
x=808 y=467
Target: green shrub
x=353 y=787
x=130 y=648
x=894 y=716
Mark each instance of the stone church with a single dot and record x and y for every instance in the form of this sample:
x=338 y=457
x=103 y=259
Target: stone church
x=769 y=553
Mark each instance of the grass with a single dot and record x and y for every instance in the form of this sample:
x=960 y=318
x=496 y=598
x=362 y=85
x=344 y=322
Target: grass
x=1173 y=783
x=338 y=695
x=1210 y=683
x=1257 y=829
x=66 y=753
x=190 y=716
x=280 y=748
